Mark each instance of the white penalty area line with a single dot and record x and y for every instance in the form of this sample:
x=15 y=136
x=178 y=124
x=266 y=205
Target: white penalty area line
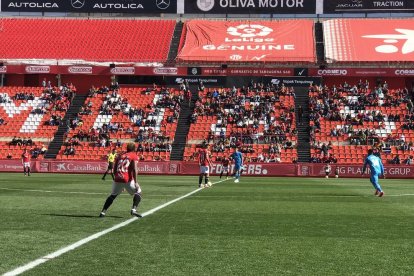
x=41 y=260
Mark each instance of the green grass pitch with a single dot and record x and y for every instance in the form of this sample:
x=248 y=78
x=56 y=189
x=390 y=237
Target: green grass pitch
x=260 y=226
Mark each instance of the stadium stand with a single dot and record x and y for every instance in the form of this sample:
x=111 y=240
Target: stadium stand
x=259 y=119
x=31 y=113
x=347 y=119
x=86 y=39
x=109 y=118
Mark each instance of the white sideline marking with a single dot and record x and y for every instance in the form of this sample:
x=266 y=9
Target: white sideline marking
x=95 y=236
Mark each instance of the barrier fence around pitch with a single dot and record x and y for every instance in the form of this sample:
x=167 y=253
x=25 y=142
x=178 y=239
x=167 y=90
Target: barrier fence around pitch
x=192 y=168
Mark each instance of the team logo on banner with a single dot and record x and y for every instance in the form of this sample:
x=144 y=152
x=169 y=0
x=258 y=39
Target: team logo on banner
x=80 y=69
x=38 y=69
x=165 y=71
x=77 y=4
x=162 y=4
x=205 y=5
x=249 y=41
x=236 y=57
x=249 y=30
x=390 y=39
x=123 y=71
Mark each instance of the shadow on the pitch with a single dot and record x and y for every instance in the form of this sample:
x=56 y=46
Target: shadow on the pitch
x=78 y=216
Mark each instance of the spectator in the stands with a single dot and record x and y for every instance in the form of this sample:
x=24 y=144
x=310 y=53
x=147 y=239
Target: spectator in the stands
x=1 y=121
x=29 y=142
x=69 y=151
x=35 y=152
x=409 y=160
x=9 y=156
x=16 y=141
x=43 y=150
x=396 y=160
x=201 y=86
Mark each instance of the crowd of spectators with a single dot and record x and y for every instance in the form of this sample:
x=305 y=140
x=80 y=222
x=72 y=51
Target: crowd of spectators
x=144 y=121
x=245 y=109
x=23 y=96
x=18 y=141
x=35 y=150
x=328 y=104
x=59 y=98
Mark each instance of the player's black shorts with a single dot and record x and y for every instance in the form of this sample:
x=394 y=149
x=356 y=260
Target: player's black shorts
x=327 y=173
x=110 y=166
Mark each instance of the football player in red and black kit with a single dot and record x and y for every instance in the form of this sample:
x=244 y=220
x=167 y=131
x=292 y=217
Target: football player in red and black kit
x=26 y=162
x=225 y=163
x=125 y=171
x=205 y=163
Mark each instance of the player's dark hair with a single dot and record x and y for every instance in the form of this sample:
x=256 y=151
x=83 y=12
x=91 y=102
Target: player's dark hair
x=130 y=147
x=370 y=151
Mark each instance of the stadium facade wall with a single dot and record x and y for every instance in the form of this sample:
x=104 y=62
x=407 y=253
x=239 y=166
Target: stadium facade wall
x=192 y=168
x=84 y=76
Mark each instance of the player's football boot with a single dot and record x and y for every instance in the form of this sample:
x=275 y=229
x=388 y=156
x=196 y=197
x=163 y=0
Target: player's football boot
x=135 y=214
x=376 y=192
x=236 y=181
x=381 y=194
x=102 y=215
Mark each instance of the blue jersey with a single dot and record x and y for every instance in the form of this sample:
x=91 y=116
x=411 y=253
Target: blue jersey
x=375 y=164
x=237 y=157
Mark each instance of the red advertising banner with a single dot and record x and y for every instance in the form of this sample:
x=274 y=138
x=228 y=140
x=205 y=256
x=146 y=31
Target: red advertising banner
x=317 y=170
x=67 y=166
x=369 y=39
x=207 y=71
x=249 y=41
x=361 y=72
x=252 y=169
x=192 y=168
x=92 y=70
x=282 y=72
x=15 y=166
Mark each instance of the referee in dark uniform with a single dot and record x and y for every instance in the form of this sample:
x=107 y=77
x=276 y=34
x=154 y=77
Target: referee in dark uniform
x=111 y=160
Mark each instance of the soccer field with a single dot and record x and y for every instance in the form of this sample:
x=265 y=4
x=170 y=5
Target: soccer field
x=260 y=226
